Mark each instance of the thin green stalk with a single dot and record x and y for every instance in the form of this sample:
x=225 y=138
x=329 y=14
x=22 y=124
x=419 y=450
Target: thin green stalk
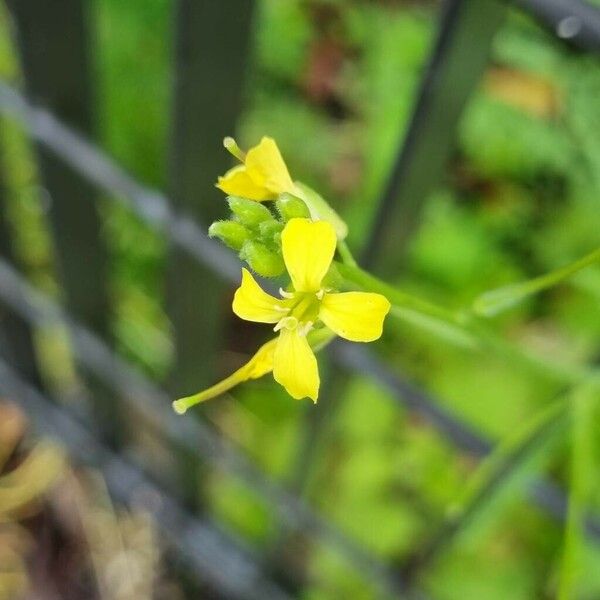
x=583 y=476
x=411 y=309
x=495 y=301
x=514 y=447
x=346 y=254
x=493 y=475
x=461 y=329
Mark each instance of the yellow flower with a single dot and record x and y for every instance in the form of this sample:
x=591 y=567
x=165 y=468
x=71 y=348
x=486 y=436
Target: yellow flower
x=308 y=248
x=262 y=174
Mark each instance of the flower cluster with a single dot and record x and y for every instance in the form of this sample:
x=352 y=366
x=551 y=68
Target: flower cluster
x=300 y=239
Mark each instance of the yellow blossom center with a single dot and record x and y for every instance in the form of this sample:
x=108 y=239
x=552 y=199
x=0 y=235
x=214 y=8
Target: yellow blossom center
x=302 y=311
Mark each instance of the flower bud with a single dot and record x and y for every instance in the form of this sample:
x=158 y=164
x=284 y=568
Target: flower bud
x=290 y=207
x=231 y=233
x=249 y=212
x=263 y=261
x=320 y=209
x=270 y=233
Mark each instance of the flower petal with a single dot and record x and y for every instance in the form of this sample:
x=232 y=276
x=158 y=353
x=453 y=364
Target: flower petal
x=237 y=182
x=262 y=361
x=356 y=316
x=308 y=249
x=267 y=168
x=295 y=366
x=251 y=303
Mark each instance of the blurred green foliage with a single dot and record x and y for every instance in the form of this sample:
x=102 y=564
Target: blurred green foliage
x=522 y=197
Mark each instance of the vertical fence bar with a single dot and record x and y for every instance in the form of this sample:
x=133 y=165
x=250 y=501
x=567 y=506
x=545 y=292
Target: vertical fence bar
x=53 y=40
x=16 y=336
x=460 y=54
x=211 y=48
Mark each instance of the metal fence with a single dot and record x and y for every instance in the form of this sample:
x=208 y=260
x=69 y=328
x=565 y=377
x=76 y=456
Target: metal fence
x=56 y=111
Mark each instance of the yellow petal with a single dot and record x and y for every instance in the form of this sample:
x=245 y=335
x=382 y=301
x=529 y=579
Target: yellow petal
x=267 y=169
x=237 y=182
x=356 y=316
x=251 y=303
x=260 y=364
x=295 y=366
x=308 y=249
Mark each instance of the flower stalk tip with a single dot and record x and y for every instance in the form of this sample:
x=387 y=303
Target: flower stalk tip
x=232 y=147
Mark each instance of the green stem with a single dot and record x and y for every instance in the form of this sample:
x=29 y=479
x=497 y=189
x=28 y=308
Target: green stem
x=495 y=301
x=461 y=329
x=493 y=475
x=346 y=254
x=583 y=475
x=181 y=406
x=411 y=309
x=354 y=274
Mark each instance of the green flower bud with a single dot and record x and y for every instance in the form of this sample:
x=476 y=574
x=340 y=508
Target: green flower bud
x=249 y=212
x=263 y=261
x=333 y=280
x=290 y=207
x=231 y=233
x=320 y=209
x=270 y=233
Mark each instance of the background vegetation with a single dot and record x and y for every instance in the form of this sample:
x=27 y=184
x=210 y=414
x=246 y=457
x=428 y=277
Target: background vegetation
x=334 y=83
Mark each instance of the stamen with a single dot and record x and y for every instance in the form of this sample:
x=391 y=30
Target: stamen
x=232 y=147
x=281 y=309
x=320 y=294
x=284 y=294
x=287 y=322
x=304 y=328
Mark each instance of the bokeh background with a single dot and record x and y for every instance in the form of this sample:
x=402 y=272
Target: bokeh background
x=336 y=84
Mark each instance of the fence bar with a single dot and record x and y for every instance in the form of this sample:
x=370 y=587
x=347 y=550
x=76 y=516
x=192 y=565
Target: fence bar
x=16 y=336
x=459 y=57
x=575 y=21
x=53 y=41
x=211 y=57
x=153 y=208
x=212 y=555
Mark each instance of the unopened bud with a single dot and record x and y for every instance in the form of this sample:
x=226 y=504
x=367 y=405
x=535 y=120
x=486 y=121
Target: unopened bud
x=290 y=207
x=320 y=209
x=231 y=233
x=270 y=233
x=250 y=212
x=263 y=261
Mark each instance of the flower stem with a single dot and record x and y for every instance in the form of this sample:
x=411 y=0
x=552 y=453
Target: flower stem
x=464 y=329
x=181 y=406
x=495 y=301
x=345 y=254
